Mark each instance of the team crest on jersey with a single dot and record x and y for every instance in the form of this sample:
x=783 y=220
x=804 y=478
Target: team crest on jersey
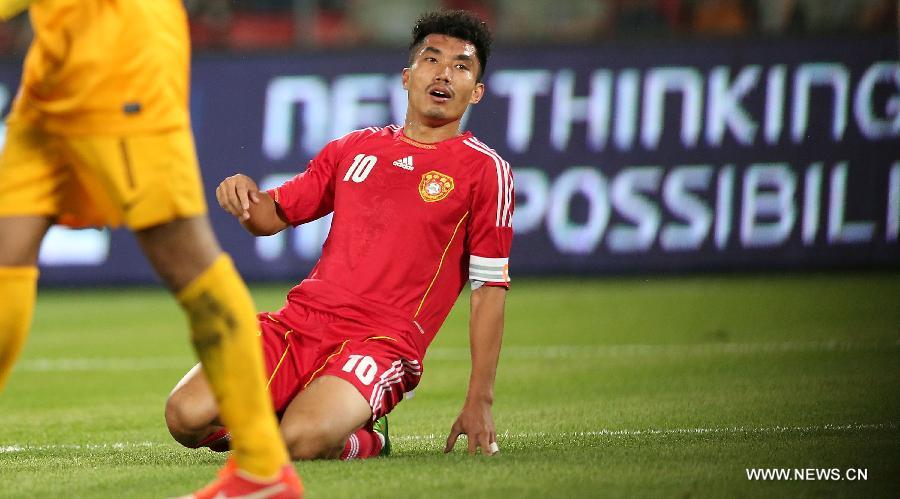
x=435 y=186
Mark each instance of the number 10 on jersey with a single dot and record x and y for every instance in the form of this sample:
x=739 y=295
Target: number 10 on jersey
x=366 y=368
x=359 y=170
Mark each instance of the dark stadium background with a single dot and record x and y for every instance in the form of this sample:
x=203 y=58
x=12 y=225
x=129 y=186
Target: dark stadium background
x=646 y=136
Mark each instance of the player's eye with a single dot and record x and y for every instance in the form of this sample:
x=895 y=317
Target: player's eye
x=462 y=67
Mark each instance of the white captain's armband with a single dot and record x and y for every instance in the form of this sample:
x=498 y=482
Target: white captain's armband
x=483 y=270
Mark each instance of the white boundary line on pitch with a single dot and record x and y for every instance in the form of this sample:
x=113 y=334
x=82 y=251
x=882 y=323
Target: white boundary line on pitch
x=734 y=430
x=509 y=352
x=9 y=449
x=105 y=364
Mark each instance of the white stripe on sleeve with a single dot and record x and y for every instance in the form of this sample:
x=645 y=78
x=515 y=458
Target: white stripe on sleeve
x=504 y=184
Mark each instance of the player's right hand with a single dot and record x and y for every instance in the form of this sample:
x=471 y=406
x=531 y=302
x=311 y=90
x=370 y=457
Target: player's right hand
x=235 y=194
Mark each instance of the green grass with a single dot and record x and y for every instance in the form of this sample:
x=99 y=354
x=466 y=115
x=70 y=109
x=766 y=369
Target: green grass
x=636 y=387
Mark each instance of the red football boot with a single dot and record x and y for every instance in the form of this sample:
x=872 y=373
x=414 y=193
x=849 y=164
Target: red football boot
x=235 y=483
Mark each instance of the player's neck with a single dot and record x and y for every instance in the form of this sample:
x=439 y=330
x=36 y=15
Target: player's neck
x=428 y=134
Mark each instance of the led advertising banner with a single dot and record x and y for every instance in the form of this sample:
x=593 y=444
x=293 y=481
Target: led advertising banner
x=627 y=158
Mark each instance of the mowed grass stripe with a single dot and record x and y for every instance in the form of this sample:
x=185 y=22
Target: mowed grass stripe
x=547 y=437
x=509 y=352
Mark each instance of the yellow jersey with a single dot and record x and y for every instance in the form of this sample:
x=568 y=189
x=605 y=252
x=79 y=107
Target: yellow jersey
x=106 y=67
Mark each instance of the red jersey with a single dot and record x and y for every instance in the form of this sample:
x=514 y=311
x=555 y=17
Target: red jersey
x=412 y=223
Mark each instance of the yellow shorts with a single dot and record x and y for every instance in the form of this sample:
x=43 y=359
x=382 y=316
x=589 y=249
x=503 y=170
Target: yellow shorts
x=140 y=180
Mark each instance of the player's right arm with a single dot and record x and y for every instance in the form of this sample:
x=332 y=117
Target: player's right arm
x=304 y=198
x=11 y=8
x=256 y=210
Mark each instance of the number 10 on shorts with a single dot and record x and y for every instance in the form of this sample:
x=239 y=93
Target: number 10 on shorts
x=366 y=368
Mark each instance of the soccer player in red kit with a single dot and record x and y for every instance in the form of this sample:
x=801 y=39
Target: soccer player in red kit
x=419 y=211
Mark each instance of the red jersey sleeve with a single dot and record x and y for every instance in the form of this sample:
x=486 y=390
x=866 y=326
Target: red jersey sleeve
x=310 y=195
x=490 y=230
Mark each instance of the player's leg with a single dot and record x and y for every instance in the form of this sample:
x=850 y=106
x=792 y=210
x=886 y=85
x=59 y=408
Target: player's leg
x=224 y=333
x=154 y=179
x=330 y=417
x=319 y=421
x=31 y=188
x=192 y=415
x=192 y=419
x=20 y=239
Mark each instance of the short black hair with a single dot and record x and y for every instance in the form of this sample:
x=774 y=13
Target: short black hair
x=460 y=24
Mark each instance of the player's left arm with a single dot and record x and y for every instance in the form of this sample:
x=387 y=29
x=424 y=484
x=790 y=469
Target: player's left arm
x=11 y=8
x=489 y=235
x=476 y=419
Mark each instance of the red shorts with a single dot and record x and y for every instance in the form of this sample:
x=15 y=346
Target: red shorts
x=381 y=366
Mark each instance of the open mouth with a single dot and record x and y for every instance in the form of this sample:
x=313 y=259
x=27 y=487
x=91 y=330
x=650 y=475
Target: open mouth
x=439 y=95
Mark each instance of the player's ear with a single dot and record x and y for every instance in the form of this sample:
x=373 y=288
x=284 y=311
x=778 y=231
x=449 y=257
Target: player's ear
x=477 y=93
x=404 y=77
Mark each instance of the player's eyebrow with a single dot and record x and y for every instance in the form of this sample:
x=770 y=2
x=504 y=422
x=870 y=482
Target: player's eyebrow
x=461 y=57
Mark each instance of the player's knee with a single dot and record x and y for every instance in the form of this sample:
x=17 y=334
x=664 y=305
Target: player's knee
x=185 y=421
x=313 y=439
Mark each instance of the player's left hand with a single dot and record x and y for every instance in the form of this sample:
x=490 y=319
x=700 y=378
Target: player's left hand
x=476 y=422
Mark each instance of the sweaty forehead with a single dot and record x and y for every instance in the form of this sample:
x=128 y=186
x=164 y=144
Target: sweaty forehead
x=448 y=44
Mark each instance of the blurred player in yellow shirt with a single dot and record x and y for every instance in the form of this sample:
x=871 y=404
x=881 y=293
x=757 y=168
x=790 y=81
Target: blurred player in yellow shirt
x=99 y=135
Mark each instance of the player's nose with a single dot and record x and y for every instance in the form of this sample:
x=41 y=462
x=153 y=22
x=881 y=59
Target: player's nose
x=443 y=73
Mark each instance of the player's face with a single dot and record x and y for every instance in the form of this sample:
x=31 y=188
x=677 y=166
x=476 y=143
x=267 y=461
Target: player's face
x=442 y=80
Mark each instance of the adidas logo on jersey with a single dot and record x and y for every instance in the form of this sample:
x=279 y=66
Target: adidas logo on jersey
x=405 y=163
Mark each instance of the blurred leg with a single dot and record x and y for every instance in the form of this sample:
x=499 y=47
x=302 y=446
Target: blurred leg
x=225 y=331
x=20 y=240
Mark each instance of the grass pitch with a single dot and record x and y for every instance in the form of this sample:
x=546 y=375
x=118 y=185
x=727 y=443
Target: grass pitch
x=623 y=388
